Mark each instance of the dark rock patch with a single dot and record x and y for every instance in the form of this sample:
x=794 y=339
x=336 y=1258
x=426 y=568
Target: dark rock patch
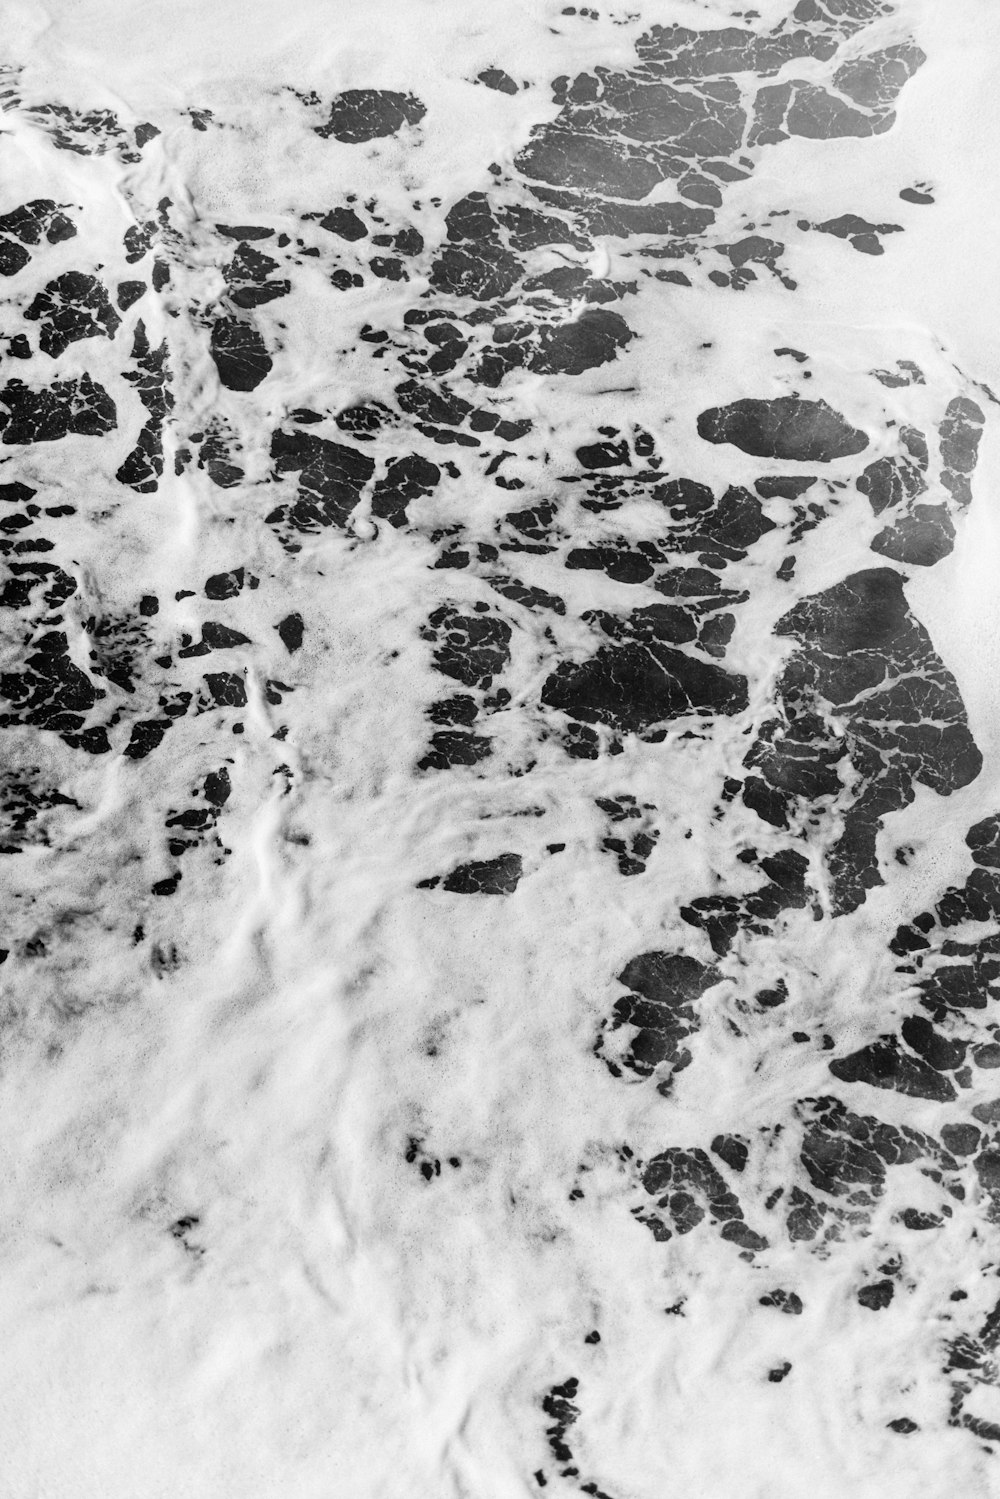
x=227 y=690
x=143 y=467
x=499 y=876
x=248 y=276
x=26 y=226
x=732 y=1149
x=50 y=691
x=331 y=478
x=785 y=427
x=13 y=257
x=783 y=1301
x=877 y=1295
x=292 y=631
x=128 y=293
x=863 y=657
x=71 y=307
x=632 y=687
x=216 y=453
x=885 y=1064
x=860 y=234
x=225 y=585
x=688 y=1189
x=343 y=222
x=367 y=114
x=631 y=845
x=496 y=78
x=472 y=649
x=959 y=434
x=78 y=406
x=723 y=917
x=240 y=355
x=451 y=747
x=659 y=1013
x=558 y=1406
x=406 y=479
x=25 y=799
x=846 y=1157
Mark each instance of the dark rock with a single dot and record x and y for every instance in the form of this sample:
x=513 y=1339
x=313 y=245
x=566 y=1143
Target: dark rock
x=483 y=272
x=592 y=339
x=631 y=687
x=983 y=838
x=496 y=78
x=367 y=114
x=460 y=709
x=331 y=478
x=862 y=235
x=784 y=427
x=846 y=1155
x=603 y=455
x=722 y=917
x=919 y=1222
x=291 y=629
x=455 y=747
x=960 y=1139
x=31 y=221
x=24 y=801
x=784 y=1301
x=732 y=1149
x=77 y=406
x=884 y=1065
x=343 y=222
x=431 y=405
x=805 y=1217
x=143 y=467
x=219 y=637
x=244 y=231
x=676 y=52
x=214 y=456
x=499 y=876
x=692 y=1187
x=527 y=597
x=227 y=689
x=960 y=433
x=71 y=307
x=240 y=355
x=225 y=585
x=558 y=1406
x=137 y=240
x=919 y=539
x=218 y=787
x=247 y=275
x=741 y=1234
x=877 y=1295
x=781 y=485
x=146 y=735
x=128 y=293
x=863 y=657
x=662 y=1009
x=472 y=649
x=13 y=257
x=875 y=79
